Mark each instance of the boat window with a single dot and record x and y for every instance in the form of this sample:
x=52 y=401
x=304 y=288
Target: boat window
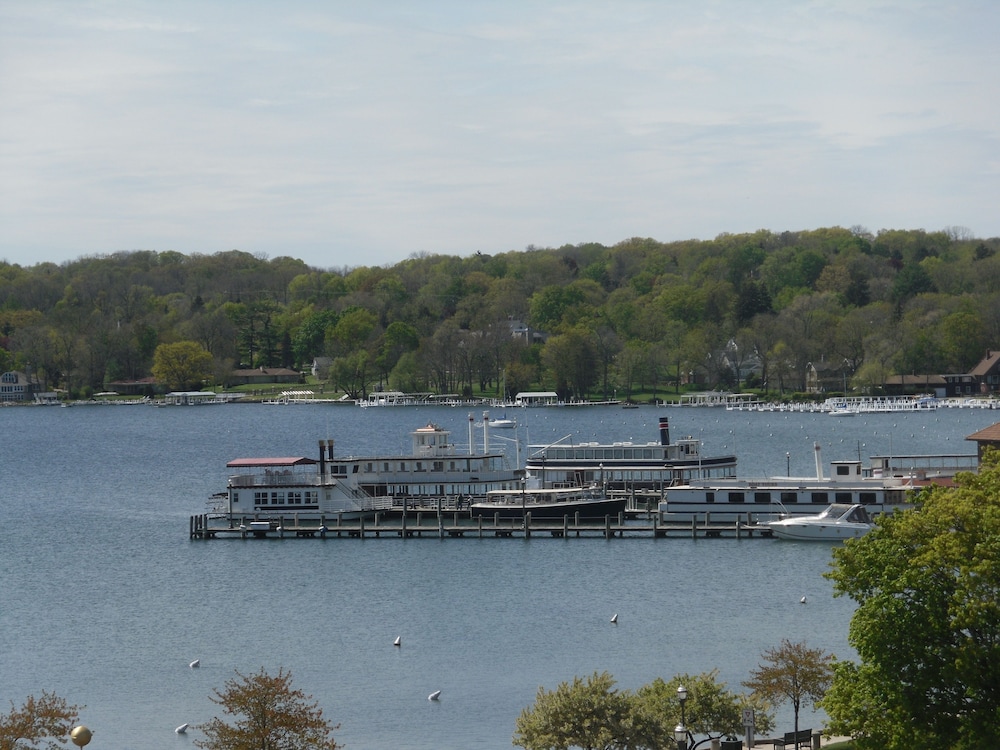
x=260 y=498
x=762 y=497
x=820 y=497
x=737 y=497
x=868 y=498
x=419 y=466
x=402 y=465
x=589 y=453
x=843 y=470
x=709 y=497
x=277 y=498
x=647 y=454
x=618 y=453
x=790 y=497
x=385 y=466
x=438 y=466
x=842 y=497
x=628 y=454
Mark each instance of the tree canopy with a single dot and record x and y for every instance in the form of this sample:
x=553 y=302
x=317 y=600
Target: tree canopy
x=43 y=722
x=927 y=626
x=268 y=714
x=591 y=713
x=583 y=320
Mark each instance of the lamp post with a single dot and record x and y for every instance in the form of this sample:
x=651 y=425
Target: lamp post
x=680 y=731
x=682 y=735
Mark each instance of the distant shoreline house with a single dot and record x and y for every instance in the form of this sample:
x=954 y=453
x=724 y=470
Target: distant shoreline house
x=981 y=380
x=16 y=387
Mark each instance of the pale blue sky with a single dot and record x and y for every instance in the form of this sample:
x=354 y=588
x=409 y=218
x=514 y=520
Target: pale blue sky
x=359 y=133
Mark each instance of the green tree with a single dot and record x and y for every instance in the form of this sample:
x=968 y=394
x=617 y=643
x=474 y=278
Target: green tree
x=182 y=365
x=710 y=709
x=586 y=713
x=43 y=722
x=591 y=713
x=267 y=714
x=794 y=673
x=927 y=626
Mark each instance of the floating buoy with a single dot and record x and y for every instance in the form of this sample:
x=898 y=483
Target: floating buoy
x=802 y=600
x=434 y=696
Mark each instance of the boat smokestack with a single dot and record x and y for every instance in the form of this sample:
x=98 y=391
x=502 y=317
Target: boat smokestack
x=664 y=431
x=322 y=458
x=819 y=461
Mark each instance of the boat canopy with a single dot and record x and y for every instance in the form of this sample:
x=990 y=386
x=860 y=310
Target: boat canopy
x=255 y=462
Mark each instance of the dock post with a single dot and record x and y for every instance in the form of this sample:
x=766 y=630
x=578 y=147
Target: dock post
x=281 y=527
x=694 y=525
x=480 y=520
x=527 y=525
x=621 y=524
x=403 y=534
x=361 y=527
x=440 y=521
x=565 y=525
x=576 y=522
x=607 y=527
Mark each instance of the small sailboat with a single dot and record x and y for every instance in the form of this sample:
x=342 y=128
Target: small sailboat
x=398 y=641
x=436 y=695
x=181 y=729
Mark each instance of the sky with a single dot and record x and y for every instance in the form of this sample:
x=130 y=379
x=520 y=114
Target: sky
x=354 y=134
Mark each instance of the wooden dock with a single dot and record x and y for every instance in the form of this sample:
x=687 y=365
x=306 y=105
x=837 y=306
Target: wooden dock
x=460 y=525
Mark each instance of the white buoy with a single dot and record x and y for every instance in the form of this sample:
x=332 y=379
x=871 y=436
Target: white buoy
x=181 y=729
x=614 y=618
x=195 y=664
x=434 y=696
x=802 y=600
x=398 y=641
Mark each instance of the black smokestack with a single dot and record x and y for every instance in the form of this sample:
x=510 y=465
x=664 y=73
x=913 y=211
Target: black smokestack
x=664 y=431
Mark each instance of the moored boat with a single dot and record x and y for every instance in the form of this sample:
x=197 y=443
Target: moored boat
x=836 y=523
x=352 y=487
x=571 y=502
x=882 y=488
x=623 y=467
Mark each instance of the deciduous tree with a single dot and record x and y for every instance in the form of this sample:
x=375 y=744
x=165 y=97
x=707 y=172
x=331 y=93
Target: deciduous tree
x=181 y=365
x=43 y=722
x=268 y=714
x=792 y=672
x=927 y=626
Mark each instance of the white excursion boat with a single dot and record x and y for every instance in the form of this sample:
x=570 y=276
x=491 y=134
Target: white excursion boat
x=883 y=488
x=352 y=487
x=623 y=467
x=836 y=523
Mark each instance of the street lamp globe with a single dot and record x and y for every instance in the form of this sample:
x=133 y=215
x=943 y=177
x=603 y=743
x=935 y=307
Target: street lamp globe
x=80 y=735
x=680 y=735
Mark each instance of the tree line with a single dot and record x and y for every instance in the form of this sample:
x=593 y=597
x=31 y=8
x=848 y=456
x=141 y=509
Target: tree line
x=585 y=320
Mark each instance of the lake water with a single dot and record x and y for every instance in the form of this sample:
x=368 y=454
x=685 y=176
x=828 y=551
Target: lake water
x=105 y=600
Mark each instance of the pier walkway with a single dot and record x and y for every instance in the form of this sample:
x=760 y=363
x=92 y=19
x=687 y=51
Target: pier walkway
x=457 y=526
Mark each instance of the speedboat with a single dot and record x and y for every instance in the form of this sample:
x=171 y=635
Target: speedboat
x=837 y=522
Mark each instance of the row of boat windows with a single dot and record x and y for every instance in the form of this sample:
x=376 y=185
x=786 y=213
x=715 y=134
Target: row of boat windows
x=374 y=467
x=609 y=454
x=279 y=497
x=868 y=498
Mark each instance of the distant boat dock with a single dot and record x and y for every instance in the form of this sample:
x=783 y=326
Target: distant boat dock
x=457 y=525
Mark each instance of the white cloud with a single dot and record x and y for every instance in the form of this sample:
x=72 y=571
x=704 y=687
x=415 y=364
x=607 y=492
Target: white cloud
x=348 y=133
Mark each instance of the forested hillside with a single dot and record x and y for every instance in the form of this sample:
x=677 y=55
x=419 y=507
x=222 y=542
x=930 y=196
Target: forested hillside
x=640 y=315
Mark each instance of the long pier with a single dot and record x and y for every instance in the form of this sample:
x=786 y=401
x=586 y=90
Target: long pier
x=457 y=525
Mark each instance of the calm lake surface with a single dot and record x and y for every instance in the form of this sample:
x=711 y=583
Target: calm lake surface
x=105 y=600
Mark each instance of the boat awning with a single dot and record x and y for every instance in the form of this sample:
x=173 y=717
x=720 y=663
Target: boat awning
x=258 y=462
